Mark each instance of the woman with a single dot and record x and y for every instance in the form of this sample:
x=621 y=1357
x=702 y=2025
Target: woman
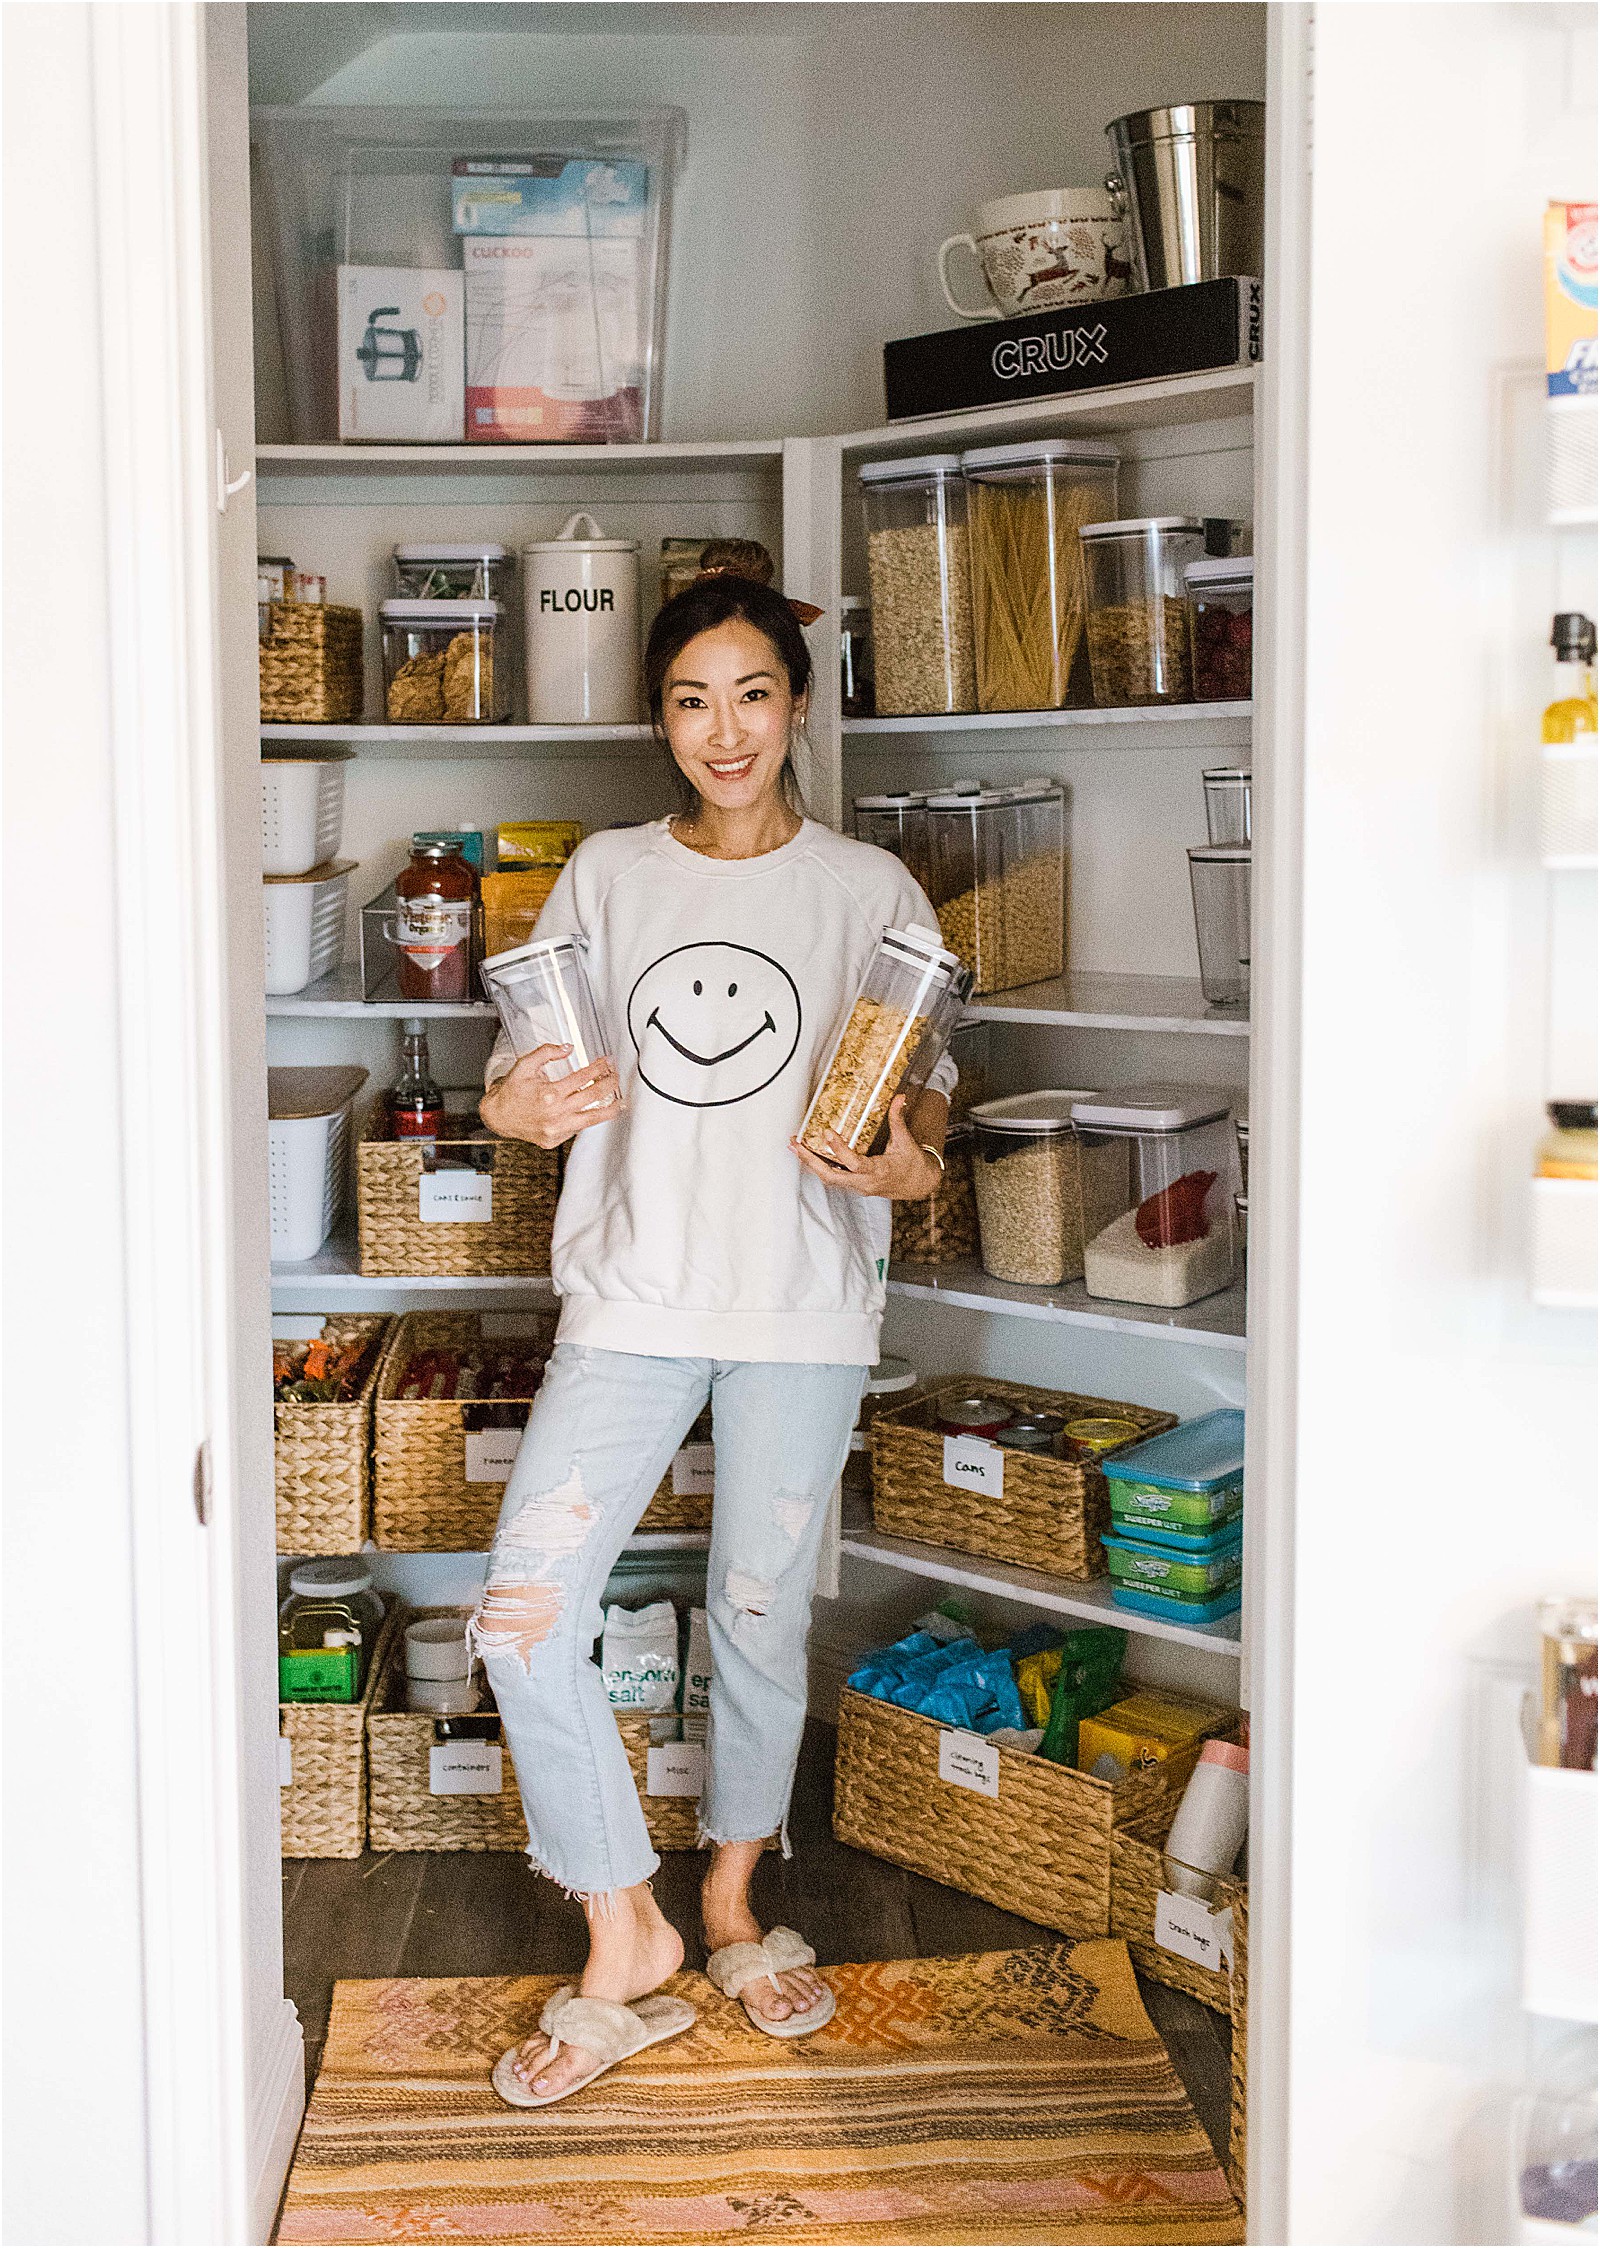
x=699 y=1252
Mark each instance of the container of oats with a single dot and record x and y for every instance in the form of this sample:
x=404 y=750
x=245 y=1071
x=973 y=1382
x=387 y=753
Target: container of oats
x=1138 y=622
x=919 y=569
x=997 y=878
x=895 y=1032
x=1040 y=1192
x=1025 y=507
x=1172 y=1241
x=944 y=1229
x=439 y=666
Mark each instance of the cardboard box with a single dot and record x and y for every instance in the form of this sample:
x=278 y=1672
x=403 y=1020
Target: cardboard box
x=1569 y=300
x=401 y=354
x=573 y=195
x=554 y=326
x=520 y=843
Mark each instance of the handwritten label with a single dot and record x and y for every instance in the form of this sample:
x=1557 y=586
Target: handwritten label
x=465 y=1768
x=675 y=1768
x=285 y=1761
x=972 y=1463
x=491 y=1453
x=967 y=1761
x=692 y=1467
x=455 y=1197
x=1191 y=1929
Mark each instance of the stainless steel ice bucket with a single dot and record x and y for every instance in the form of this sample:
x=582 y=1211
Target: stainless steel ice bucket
x=1192 y=177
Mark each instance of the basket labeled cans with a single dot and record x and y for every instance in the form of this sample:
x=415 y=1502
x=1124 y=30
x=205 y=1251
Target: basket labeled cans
x=896 y=1031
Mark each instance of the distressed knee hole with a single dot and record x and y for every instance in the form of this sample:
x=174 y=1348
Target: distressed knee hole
x=748 y=1595
x=514 y=1619
x=551 y=1522
x=792 y=1513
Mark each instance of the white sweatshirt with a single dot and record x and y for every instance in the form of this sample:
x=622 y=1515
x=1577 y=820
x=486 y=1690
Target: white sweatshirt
x=687 y=1228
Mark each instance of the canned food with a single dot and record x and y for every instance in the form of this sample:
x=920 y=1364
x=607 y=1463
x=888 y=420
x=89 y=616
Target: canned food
x=1098 y=1437
x=1032 y=1432
x=974 y=1416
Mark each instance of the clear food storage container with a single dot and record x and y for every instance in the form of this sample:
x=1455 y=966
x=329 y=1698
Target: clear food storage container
x=897 y=822
x=327 y=1631
x=542 y=995
x=1227 y=789
x=454 y=570
x=1138 y=611
x=1041 y=1193
x=900 y=1023
x=997 y=877
x=1219 y=878
x=1172 y=1242
x=1026 y=505
x=1154 y=1578
x=439 y=663
x=855 y=658
x=1186 y=1483
x=890 y=1382
x=1221 y=593
x=919 y=570
x=944 y=1229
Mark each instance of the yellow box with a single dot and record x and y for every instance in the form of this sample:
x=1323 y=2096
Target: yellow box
x=1569 y=300
x=1149 y=1729
x=520 y=843
x=512 y=904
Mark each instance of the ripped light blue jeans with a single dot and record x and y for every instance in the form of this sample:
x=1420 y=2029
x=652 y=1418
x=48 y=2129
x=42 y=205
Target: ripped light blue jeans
x=603 y=1429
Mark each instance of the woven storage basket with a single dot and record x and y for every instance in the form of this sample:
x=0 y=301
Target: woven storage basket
x=1240 y=2011
x=397 y=1242
x=1041 y=1847
x=323 y=1810
x=1048 y=1516
x=310 y=663
x=686 y=1509
x=1137 y=1875
x=320 y=1457
x=423 y=1499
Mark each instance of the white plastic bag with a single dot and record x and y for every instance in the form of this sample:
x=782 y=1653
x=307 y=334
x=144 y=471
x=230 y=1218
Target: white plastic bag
x=639 y=1656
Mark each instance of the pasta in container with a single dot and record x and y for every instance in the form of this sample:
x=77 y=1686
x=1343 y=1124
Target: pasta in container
x=1026 y=505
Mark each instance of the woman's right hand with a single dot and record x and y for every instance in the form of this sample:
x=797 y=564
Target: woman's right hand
x=525 y=1104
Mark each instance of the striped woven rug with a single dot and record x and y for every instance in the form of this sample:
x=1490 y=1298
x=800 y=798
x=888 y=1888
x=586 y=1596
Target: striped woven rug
x=1006 y=2097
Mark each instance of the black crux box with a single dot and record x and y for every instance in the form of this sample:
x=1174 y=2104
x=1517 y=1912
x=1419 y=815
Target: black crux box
x=1189 y=331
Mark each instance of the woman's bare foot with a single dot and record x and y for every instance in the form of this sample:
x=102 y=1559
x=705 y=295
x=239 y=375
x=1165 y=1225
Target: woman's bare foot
x=725 y=1907
x=632 y=1951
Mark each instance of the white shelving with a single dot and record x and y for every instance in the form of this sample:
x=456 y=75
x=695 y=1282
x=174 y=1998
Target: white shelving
x=1140 y=727
x=339 y=994
x=372 y=739
x=1217 y=1322
x=334 y=1271
x=535 y=460
x=1172 y=402
x=1090 y=1000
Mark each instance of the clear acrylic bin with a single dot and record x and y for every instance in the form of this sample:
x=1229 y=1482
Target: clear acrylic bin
x=1041 y=1193
x=1219 y=878
x=1172 y=1242
x=997 y=878
x=1221 y=600
x=1026 y=505
x=900 y=1024
x=1138 y=609
x=898 y=823
x=455 y=570
x=543 y=997
x=441 y=663
x=1227 y=790
x=919 y=567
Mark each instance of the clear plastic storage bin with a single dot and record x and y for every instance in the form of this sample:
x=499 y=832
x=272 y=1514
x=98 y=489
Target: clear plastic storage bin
x=455 y=570
x=899 y=823
x=997 y=877
x=1221 y=600
x=1227 y=790
x=1026 y=505
x=919 y=567
x=1172 y=1242
x=439 y=663
x=1138 y=610
x=1040 y=1192
x=901 y=1022
x=543 y=997
x=1219 y=877
x=327 y=1631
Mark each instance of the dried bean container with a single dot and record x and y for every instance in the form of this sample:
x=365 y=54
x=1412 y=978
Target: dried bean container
x=1221 y=594
x=944 y=1229
x=919 y=569
x=1172 y=1242
x=1138 y=608
x=900 y=1024
x=1227 y=789
x=897 y=822
x=1037 y=1199
x=997 y=878
x=1026 y=505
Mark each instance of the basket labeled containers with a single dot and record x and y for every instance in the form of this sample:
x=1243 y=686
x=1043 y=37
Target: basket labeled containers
x=302 y=811
x=542 y=995
x=1172 y=1243
x=308 y=1156
x=1044 y=1510
x=440 y=663
x=998 y=881
x=944 y=1229
x=470 y=1205
x=1041 y=1192
x=305 y=917
x=1221 y=596
x=1219 y=881
x=310 y=656
x=452 y=1397
x=896 y=1030
x=321 y=1452
x=919 y=568
x=581 y=606
x=1138 y=608
x=1026 y=505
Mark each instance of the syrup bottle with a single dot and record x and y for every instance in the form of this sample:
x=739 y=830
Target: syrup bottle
x=416 y=1105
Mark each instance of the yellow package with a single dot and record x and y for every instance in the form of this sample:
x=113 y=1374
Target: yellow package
x=512 y=904
x=520 y=843
x=1569 y=299
x=1036 y=1683
x=1146 y=1730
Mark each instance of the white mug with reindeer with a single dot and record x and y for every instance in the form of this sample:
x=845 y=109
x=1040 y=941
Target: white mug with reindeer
x=1058 y=246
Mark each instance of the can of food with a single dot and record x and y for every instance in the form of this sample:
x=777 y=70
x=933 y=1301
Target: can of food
x=974 y=1416
x=1093 y=1439
x=1032 y=1432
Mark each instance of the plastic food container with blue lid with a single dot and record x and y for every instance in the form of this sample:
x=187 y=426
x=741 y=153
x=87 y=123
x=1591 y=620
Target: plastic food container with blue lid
x=1155 y=1579
x=1188 y=1482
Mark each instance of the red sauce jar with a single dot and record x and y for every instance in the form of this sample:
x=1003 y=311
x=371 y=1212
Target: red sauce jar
x=434 y=898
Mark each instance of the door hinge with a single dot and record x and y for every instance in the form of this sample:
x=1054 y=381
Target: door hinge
x=202 y=1485
x=227 y=485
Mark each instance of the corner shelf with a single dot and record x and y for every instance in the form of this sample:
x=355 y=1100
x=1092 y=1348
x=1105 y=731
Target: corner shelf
x=374 y=739
x=1147 y=727
x=1089 y=999
x=535 y=460
x=1215 y=1323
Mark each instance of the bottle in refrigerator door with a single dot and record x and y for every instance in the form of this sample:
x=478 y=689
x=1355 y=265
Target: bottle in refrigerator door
x=435 y=898
x=416 y=1105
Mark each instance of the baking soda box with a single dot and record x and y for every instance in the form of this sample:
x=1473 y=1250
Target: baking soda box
x=1569 y=300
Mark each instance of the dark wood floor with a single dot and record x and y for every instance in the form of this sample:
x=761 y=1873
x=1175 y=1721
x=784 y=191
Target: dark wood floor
x=484 y=1913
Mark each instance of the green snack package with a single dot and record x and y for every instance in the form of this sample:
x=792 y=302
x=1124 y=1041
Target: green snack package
x=1091 y=1664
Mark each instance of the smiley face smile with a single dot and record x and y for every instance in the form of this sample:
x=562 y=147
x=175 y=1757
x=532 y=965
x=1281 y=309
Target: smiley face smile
x=708 y=1061
x=742 y=1010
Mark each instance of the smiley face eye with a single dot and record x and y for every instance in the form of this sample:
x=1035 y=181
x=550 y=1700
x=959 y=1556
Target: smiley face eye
x=732 y=989
x=698 y=987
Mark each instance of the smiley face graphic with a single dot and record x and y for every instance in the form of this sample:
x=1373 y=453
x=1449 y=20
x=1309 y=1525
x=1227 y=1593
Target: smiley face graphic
x=713 y=1024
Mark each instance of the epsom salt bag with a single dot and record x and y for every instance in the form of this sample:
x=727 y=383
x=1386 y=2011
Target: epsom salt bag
x=697 y=1677
x=639 y=1655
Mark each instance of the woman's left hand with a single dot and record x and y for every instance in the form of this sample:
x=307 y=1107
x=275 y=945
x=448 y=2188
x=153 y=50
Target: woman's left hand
x=904 y=1172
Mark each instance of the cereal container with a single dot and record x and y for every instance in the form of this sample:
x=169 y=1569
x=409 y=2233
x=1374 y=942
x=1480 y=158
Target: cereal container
x=1026 y=505
x=897 y=823
x=918 y=567
x=1040 y=1193
x=439 y=666
x=1221 y=595
x=1172 y=1241
x=903 y=1015
x=1138 y=610
x=542 y=995
x=944 y=1229
x=997 y=877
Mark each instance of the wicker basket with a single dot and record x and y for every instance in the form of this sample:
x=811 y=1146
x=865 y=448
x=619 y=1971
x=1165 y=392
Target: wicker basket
x=685 y=1509
x=323 y=1809
x=1137 y=1875
x=1050 y=1512
x=310 y=664
x=1041 y=1847
x=397 y=1242
x=1240 y=2012
x=428 y=1492
x=320 y=1457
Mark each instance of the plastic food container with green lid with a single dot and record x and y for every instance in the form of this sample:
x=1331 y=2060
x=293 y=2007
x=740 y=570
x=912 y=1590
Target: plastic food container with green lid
x=1157 y=1579
x=1189 y=1480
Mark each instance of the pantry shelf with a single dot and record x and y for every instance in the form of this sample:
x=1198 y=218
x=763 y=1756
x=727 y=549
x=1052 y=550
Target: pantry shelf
x=376 y=740
x=339 y=994
x=1192 y=724
x=1088 y=999
x=1173 y=402
x=335 y=1271
x=536 y=460
x=1216 y=1323
x=1034 y=1586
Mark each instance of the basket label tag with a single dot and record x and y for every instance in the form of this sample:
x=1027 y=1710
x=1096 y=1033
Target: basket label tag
x=968 y=1761
x=465 y=1768
x=972 y=1463
x=455 y=1197
x=1191 y=1929
x=675 y=1768
x=285 y=1761
x=692 y=1471
x=509 y=1326
x=491 y=1453
x=299 y=1326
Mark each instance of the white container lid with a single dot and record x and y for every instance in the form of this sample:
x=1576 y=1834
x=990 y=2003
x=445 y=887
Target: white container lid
x=1026 y=792
x=453 y=550
x=1031 y=1113
x=924 y=945
x=539 y=947
x=404 y=609
x=890 y=1375
x=1150 y=1108
x=436 y=1647
x=331 y=1579
x=1221 y=569
x=1041 y=450
x=897 y=472
x=567 y=540
x=1141 y=523
x=1221 y=854
x=896 y=801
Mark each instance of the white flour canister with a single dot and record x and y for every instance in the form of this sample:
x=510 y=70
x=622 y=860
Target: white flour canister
x=581 y=592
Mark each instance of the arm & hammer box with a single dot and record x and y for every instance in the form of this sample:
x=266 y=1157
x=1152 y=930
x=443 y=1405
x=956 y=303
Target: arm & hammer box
x=401 y=370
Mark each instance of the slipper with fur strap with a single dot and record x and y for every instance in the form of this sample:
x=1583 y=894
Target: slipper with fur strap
x=612 y=2032
x=779 y=1952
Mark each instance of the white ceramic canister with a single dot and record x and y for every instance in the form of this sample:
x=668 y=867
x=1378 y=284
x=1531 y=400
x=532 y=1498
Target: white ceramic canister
x=581 y=594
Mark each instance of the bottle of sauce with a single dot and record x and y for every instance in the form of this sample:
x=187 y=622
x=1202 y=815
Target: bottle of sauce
x=416 y=1105
x=1571 y=712
x=434 y=899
